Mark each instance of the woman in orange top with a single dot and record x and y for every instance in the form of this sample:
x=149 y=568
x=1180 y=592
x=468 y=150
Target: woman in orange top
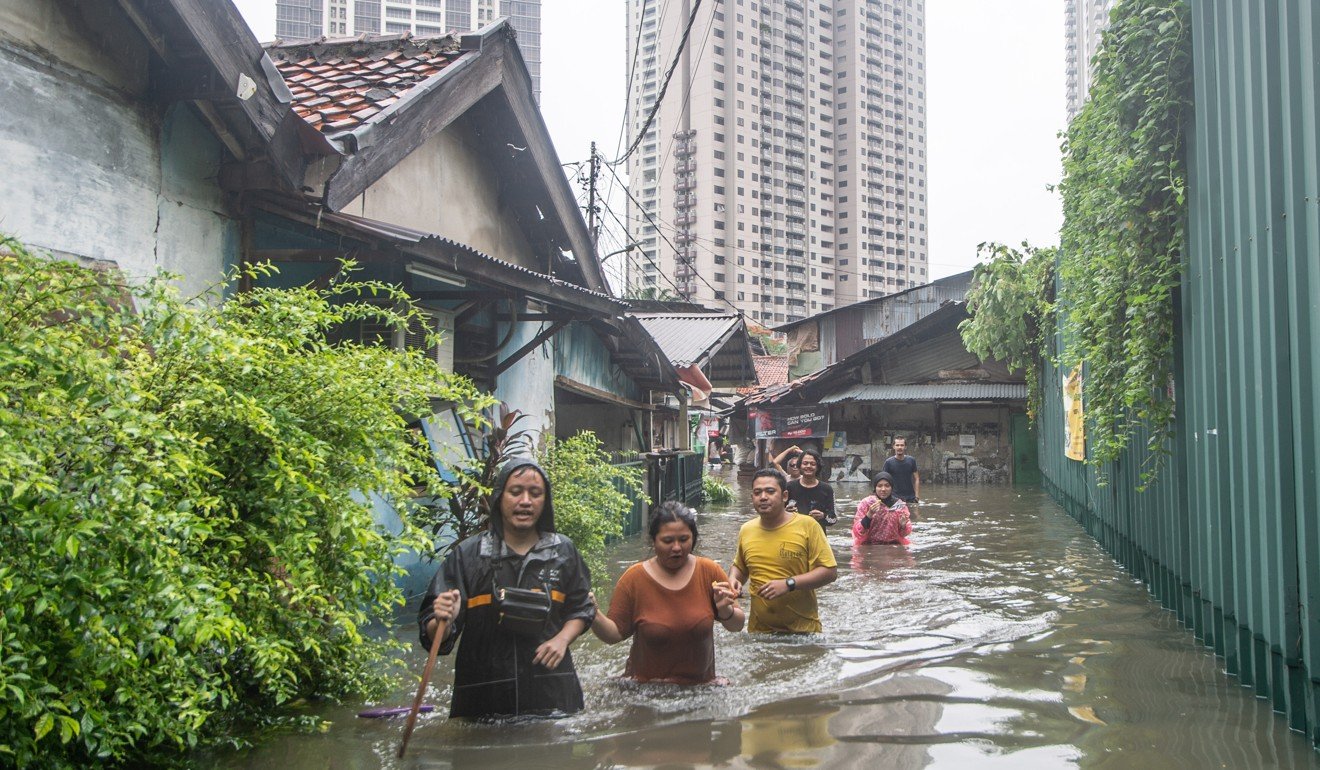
x=668 y=605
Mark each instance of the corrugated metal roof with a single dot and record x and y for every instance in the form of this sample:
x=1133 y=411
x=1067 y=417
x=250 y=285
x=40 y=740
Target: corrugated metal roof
x=401 y=236
x=686 y=338
x=944 y=391
x=882 y=316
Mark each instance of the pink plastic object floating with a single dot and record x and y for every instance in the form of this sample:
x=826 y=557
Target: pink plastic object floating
x=386 y=712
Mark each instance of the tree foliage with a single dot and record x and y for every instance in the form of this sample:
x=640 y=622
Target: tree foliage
x=186 y=541
x=1011 y=304
x=1121 y=245
x=589 y=506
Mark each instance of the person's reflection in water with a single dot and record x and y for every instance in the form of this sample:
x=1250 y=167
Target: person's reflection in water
x=696 y=743
x=769 y=739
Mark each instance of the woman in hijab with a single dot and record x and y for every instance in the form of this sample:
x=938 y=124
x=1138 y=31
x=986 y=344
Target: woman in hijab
x=882 y=517
x=493 y=589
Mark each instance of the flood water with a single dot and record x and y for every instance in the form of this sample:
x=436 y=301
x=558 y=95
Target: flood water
x=1003 y=636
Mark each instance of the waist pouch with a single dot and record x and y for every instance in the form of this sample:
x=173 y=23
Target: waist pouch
x=521 y=610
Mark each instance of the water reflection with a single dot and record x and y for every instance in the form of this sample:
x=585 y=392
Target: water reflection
x=1002 y=635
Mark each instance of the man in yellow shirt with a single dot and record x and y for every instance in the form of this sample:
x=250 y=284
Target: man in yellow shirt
x=784 y=558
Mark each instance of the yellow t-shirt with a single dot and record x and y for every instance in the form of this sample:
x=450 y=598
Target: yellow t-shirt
x=792 y=549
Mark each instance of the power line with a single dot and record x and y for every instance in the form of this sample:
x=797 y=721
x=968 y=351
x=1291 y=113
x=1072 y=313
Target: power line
x=659 y=99
x=718 y=293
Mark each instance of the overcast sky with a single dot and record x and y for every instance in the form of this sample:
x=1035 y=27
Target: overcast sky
x=995 y=104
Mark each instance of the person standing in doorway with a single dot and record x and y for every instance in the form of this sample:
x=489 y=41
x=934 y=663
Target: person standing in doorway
x=783 y=558
x=808 y=494
x=902 y=468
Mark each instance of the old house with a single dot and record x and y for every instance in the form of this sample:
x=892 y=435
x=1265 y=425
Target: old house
x=964 y=418
x=444 y=180
x=129 y=127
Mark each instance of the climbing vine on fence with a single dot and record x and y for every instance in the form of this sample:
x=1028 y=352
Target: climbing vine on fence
x=1124 y=205
x=1121 y=245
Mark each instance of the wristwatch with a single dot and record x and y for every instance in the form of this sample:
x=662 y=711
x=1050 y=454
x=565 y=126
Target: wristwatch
x=792 y=583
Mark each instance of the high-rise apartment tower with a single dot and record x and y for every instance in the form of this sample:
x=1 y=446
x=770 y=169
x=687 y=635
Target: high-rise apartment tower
x=1084 y=20
x=784 y=173
x=299 y=19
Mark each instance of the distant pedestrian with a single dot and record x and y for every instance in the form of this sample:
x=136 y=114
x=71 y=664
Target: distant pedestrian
x=668 y=605
x=882 y=517
x=783 y=557
x=787 y=462
x=808 y=494
x=902 y=468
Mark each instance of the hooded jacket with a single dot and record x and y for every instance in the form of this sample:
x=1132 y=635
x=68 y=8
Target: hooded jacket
x=493 y=674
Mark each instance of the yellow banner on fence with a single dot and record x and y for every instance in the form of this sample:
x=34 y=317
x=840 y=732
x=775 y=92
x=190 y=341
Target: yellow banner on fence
x=1074 y=426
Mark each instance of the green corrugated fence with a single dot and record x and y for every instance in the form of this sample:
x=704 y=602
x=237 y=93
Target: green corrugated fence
x=1229 y=537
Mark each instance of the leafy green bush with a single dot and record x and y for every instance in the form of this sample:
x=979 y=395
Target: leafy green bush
x=715 y=491
x=589 y=506
x=185 y=542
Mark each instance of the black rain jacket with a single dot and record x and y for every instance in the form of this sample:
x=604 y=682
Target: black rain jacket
x=494 y=675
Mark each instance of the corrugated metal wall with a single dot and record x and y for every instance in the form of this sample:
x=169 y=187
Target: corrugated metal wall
x=1230 y=536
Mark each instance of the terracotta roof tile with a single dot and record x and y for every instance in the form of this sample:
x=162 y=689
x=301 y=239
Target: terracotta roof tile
x=338 y=85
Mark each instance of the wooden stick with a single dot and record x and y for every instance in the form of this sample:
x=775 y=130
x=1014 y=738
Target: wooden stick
x=440 y=630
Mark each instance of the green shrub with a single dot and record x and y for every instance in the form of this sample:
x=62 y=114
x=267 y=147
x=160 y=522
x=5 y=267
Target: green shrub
x=589 y=506
x=715 y=491
x=185 y=543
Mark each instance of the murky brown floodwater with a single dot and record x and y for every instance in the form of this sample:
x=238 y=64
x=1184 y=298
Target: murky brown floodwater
x=1002 y=637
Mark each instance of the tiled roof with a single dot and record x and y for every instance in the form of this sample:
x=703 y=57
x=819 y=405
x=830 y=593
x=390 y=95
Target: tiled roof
x=340 y=84
x=771 y=370
x=941 y=391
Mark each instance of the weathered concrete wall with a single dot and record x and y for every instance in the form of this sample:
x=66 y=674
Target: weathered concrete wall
x=935 y=435
x=104 y=174
x=448 y=188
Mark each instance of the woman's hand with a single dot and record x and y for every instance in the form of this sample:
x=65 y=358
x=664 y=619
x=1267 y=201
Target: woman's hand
x=725 y=599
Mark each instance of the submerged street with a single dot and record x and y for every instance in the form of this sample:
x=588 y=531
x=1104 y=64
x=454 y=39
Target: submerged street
x=1002 y=637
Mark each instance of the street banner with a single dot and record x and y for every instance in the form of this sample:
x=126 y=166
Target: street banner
x=798 y=422
x=1074 y=424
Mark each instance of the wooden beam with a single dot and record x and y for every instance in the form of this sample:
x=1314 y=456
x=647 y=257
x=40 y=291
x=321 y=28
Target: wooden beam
x=227 y=43
x=533 y=344
x=600 y=395
x=517 y=89
x=460 y=294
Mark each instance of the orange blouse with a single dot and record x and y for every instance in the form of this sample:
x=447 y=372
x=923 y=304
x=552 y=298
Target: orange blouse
x=672 y=630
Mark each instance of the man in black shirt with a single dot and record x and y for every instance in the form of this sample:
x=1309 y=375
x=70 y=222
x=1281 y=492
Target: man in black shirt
x=903 y=469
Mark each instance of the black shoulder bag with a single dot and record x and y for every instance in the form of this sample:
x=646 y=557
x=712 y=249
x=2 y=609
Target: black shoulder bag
x=523 y=611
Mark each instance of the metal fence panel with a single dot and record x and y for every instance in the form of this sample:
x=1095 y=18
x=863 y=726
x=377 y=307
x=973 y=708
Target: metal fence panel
x=1229 y=537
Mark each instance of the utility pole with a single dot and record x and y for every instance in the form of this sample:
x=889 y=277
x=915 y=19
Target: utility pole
x=594 y=167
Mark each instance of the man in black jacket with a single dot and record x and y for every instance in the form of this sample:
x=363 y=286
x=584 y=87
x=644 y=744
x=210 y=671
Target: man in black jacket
x=506 y=669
